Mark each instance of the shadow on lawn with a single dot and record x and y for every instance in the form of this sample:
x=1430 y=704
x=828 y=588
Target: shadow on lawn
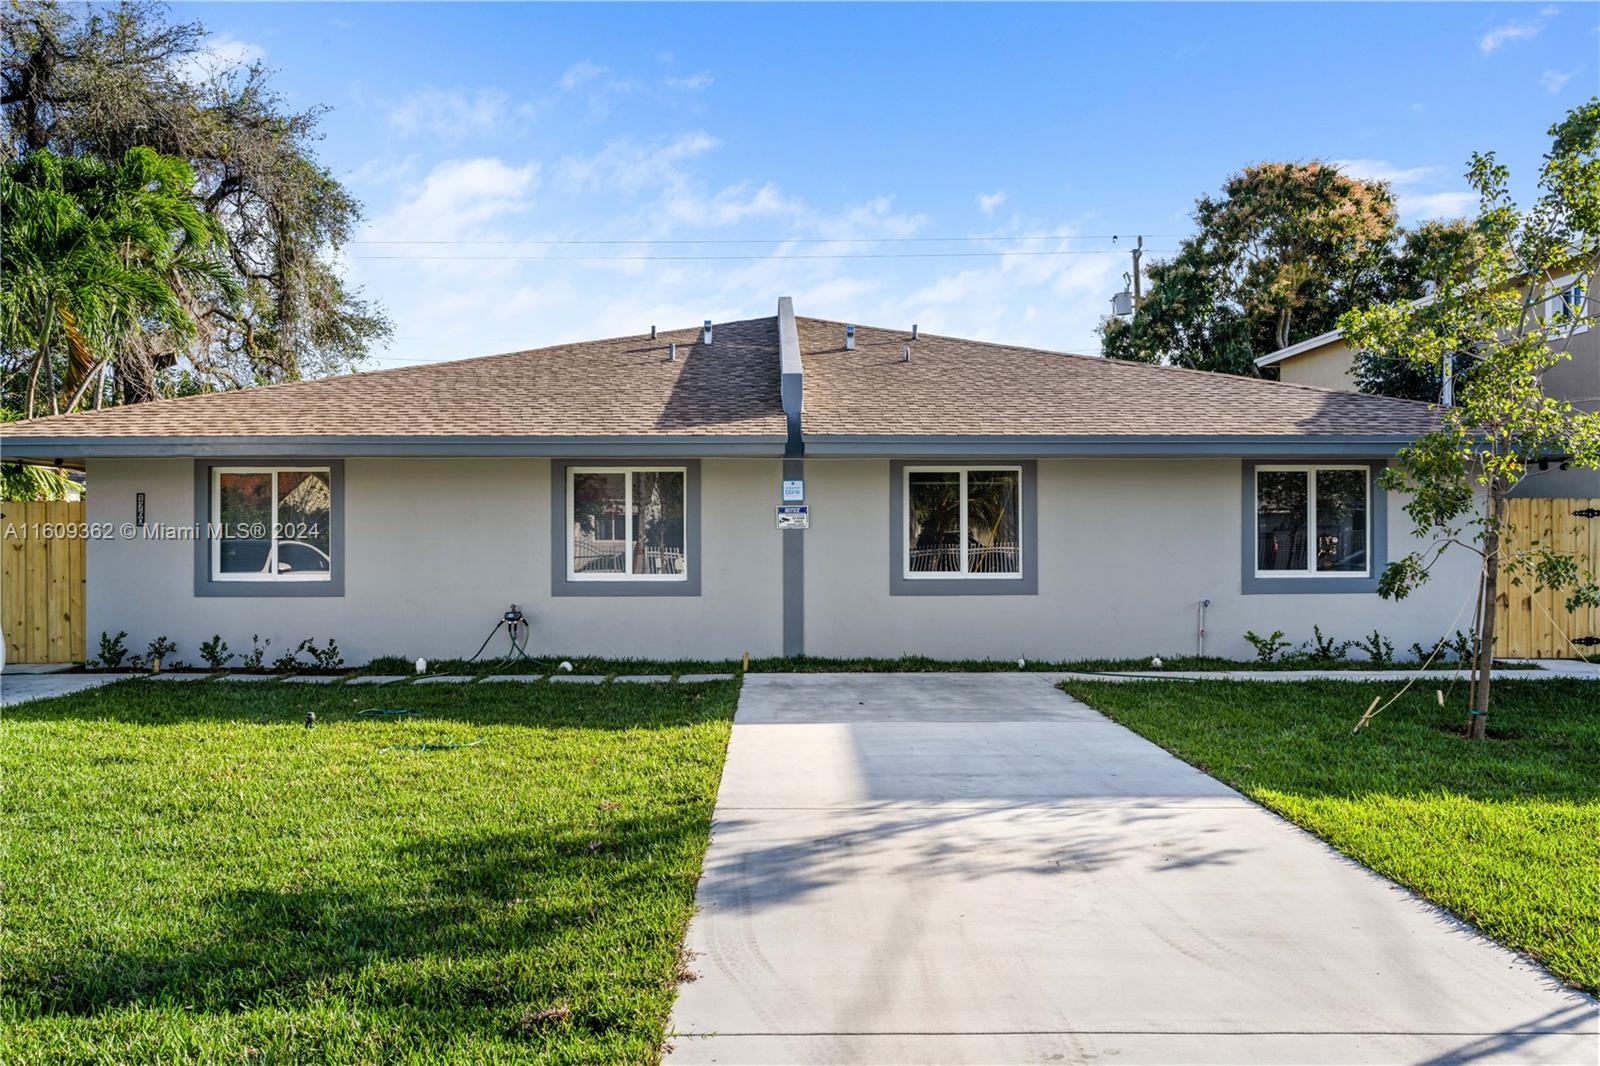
x=482 y=928
x=561 y=706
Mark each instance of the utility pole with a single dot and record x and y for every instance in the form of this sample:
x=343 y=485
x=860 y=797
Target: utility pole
x=1138 y=288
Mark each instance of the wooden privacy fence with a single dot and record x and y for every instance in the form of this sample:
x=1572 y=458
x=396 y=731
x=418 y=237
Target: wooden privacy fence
x=41 y=581
x=1531 y=624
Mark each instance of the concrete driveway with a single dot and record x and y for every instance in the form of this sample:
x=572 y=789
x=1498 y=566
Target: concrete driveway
x=976 y=868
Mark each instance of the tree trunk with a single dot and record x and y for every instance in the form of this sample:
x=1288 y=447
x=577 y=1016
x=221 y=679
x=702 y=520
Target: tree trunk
x=1285 y=316
x=1478 y=721
x=40 y=358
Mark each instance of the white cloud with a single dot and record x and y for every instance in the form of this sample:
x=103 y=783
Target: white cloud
x=629 y=166
x=579 y=73
x=1553 y=81
x=220 y=55
x=692 y=83
x=1383 y=170
x=1515 y=30
x=452 y=114
x=1410 y=186
x=456 y=198
x=987 y=202
x=1439 y=205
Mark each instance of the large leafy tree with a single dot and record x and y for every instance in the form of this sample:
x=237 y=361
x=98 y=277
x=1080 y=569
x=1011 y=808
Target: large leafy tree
x=1277 y=257
x=92 y=257
x=1500 y=309
x=93 y=82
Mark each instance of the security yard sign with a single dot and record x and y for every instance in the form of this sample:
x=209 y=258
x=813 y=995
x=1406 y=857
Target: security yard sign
x=794 y=516
x=793 y=491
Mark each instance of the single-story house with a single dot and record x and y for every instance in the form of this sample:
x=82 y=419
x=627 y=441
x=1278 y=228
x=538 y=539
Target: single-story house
x=782 y=485
x=1327 y=361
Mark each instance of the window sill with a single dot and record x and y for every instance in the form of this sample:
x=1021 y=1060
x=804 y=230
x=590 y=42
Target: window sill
x=1308 y=585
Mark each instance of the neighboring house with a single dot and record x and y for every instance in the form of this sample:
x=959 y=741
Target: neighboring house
x=965 y=499
x=1328 y=362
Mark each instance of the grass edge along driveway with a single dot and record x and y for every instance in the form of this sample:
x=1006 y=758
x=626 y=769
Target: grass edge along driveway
x=1504 y=834
x=506 y=874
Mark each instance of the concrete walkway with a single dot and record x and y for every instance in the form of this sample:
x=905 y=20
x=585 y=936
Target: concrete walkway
x=975 y=868
x=21 y=687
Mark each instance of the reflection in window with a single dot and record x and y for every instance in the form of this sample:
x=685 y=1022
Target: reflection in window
x=1291 y=503
x=627 y=524
x=962 y=522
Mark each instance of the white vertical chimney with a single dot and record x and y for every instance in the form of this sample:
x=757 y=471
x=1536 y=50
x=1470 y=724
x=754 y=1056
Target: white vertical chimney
x=672 y=352
x=708 y=331
x=652 y=333
x=905 y=354
x=849 y=338
x=913 y=331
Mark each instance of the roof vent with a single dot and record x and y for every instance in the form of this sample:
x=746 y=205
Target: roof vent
x=849 y=338
x=905 y=354
x=913 y=331
x=672 y=352
x=708 y=331
x=652 y=333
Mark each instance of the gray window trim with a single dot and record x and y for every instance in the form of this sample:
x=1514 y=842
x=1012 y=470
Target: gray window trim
x=206 y=585
x=1026 y=585
x=561 y=585
x=1377 y=535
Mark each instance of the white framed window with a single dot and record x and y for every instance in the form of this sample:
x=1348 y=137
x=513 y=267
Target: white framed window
x=962 y=522
x=627 y=523
x=1566 y=306
x=271 y=523
x=1313 y=521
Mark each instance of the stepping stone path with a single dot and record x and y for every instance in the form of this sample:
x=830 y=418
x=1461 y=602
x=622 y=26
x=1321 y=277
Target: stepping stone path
x=249 y=677
x=689 y=679
x=314 y=679
x=177 y=677
x=645 y=679
x=525 y=678
x=376 y=679
x=578 y=679
x=439 y=679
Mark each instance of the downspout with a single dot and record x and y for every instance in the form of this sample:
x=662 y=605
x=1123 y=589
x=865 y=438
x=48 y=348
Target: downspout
x=792 y=391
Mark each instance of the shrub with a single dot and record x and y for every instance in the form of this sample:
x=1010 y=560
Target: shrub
x=1326 y=647
x=1378 y=649
x=159 y=649
x=1267 y=648
x=215 y=652
x=258 y=652
x=112 y=649
x=326 y=658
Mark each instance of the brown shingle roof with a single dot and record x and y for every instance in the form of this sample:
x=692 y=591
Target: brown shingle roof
x=619 y=387
x=625 y=387
x=961 y=387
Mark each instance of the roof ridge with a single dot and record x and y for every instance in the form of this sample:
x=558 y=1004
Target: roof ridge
x=421 y=368
x=1131 y=364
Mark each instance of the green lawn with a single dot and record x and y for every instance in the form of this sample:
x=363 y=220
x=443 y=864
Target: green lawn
x=190 y=874
x=1505 y=833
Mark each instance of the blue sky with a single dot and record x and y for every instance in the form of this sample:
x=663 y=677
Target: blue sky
x=846 y=131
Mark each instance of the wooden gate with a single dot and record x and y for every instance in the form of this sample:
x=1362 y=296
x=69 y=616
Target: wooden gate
x=1537 y=625
x=41 y=581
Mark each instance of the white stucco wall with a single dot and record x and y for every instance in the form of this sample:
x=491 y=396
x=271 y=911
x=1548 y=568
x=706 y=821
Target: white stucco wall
x=1127 y=549
x=435 y=550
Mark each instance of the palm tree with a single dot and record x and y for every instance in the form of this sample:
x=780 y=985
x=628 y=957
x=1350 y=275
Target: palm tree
x=97 y=254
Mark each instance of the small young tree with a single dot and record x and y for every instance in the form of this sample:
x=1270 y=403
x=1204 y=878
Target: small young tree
x=1495 y=308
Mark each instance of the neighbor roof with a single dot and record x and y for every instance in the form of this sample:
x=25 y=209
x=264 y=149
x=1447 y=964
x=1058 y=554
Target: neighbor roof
x=972 y=388
x=625 y=397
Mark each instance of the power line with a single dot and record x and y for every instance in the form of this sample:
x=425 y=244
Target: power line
x=774 y=240
x=753 y=258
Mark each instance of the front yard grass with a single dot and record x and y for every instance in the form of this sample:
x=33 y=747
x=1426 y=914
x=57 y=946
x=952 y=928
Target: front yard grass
x=191 y=874
x=1504 y=833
